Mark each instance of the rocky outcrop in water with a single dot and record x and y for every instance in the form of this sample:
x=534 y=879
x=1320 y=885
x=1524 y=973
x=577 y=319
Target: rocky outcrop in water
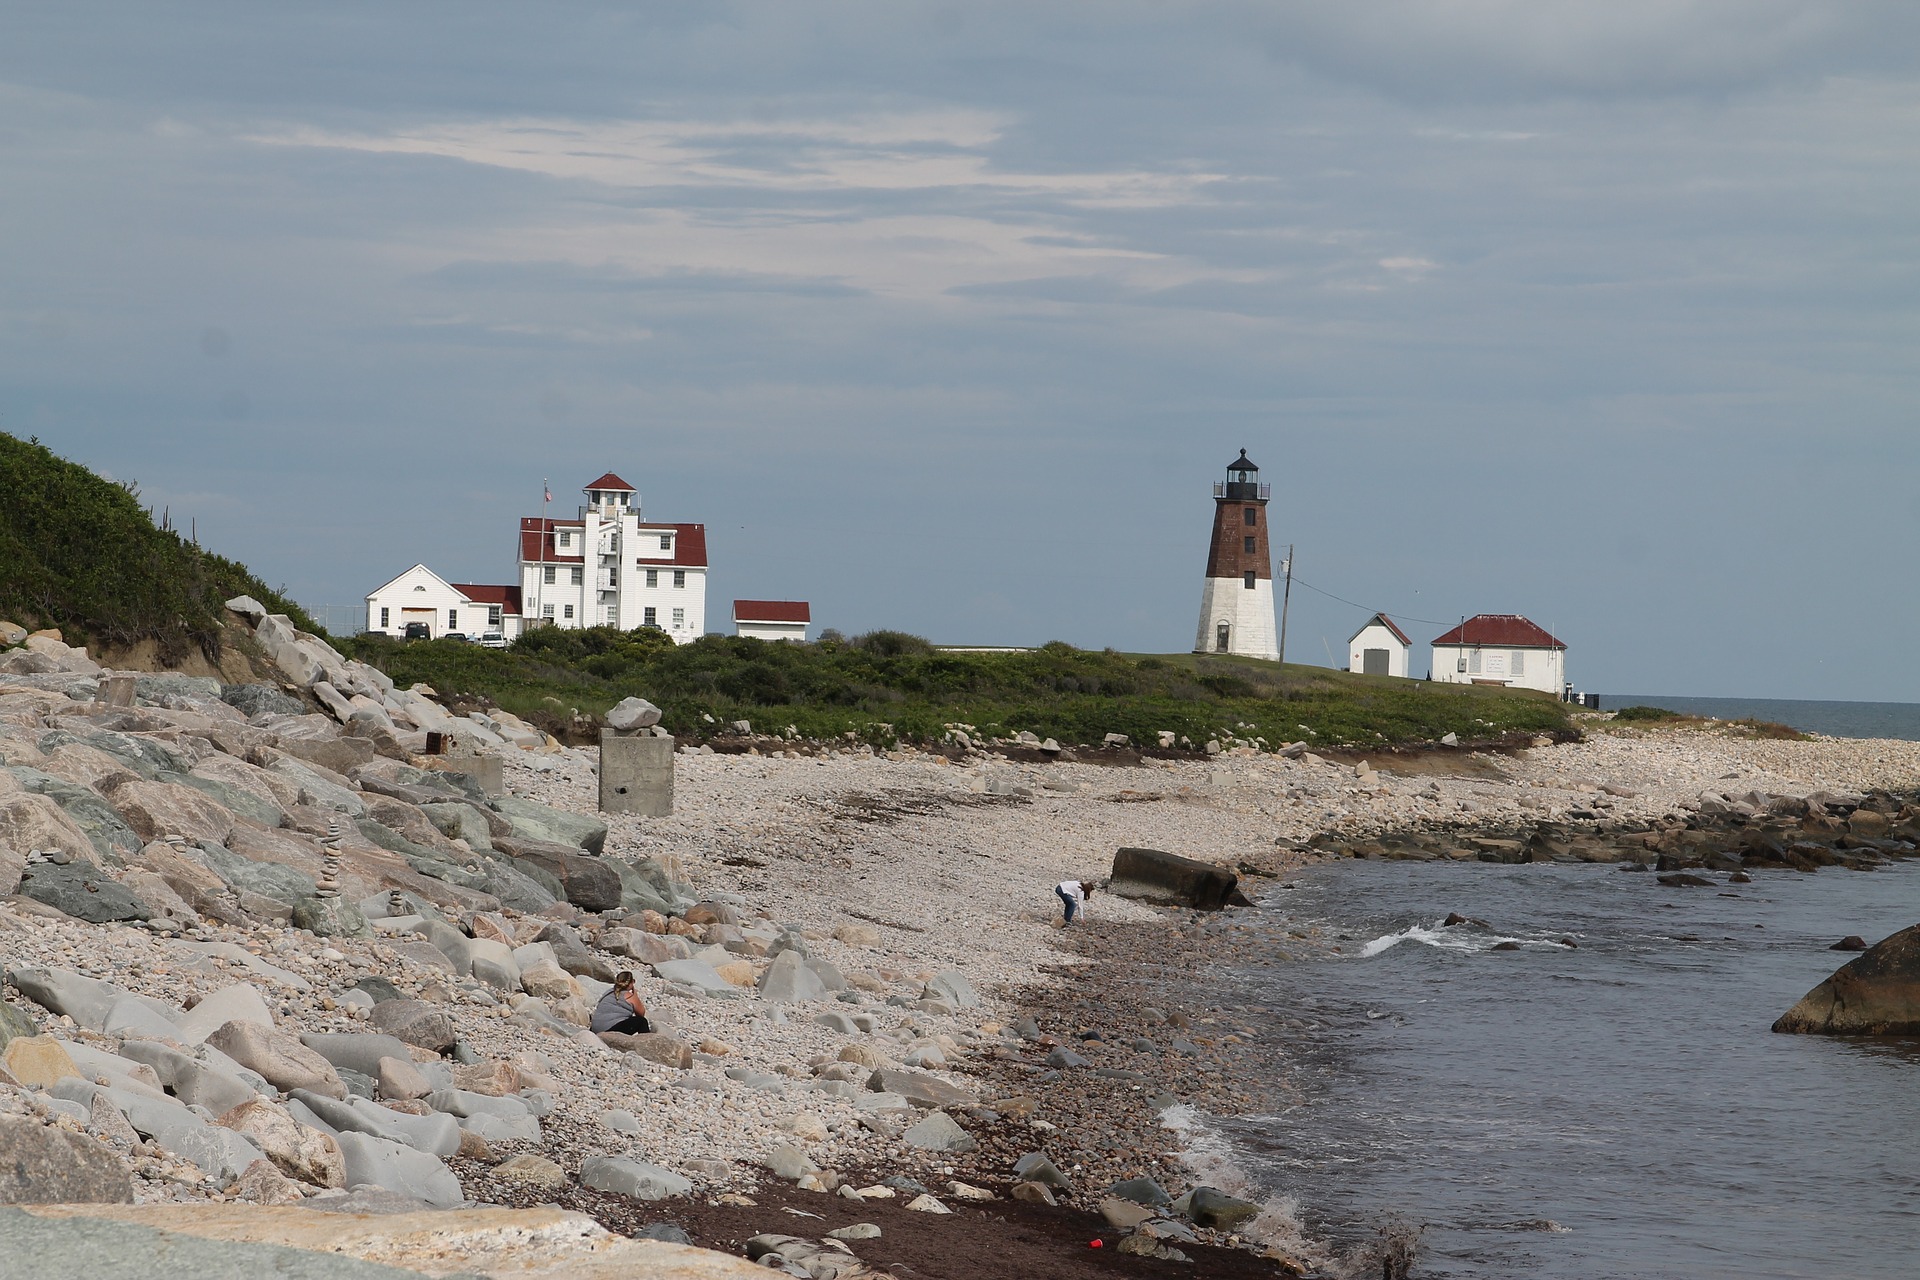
x=1148 y=875
x=1877 y=994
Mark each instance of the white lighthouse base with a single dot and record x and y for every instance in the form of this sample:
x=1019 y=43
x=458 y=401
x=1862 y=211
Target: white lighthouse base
x=1246 y=614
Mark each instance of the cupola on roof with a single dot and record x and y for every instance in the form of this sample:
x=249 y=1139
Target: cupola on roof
x=1242 y=464
x=611 y=481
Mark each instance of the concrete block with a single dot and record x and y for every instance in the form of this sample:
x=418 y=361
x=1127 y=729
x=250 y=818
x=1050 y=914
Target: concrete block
x=636 y=775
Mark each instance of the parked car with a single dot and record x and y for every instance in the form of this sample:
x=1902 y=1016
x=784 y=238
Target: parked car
x=418 y=631
x=460 y=636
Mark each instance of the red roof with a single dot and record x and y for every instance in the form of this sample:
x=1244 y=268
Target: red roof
x=508 y=598
x=535 y=546
x=689 y=543
x=1386 y=622
x=772 y=611
x=1504 y=630
x=689 y=546
x=610 y=481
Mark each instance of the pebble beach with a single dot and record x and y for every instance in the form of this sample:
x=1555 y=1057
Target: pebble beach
x=918 y=882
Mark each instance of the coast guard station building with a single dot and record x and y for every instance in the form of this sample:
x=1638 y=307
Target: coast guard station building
x=606 y=567
x=1500 y=648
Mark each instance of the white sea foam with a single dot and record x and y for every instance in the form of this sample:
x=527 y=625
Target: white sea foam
x=1450 y=938
x=1209 y=1158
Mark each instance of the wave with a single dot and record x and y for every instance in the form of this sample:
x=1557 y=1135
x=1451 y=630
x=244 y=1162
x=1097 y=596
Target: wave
x=1208 y=1157
x=1453 y=938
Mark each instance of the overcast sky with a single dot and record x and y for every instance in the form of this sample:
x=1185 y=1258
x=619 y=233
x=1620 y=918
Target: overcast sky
x=945 y=317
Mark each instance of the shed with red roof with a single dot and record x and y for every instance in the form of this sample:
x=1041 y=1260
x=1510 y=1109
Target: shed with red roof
x=1380 y=648
x=1501 y=648
x=772 y=619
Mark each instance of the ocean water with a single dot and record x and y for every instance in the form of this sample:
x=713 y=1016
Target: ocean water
x=1617 y=1109
x=1836 y=719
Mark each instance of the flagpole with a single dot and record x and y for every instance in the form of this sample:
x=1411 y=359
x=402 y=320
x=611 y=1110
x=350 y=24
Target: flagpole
x=540 y=571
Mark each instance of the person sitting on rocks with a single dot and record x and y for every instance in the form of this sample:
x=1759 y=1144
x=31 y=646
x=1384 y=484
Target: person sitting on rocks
x=621 y=1009
x=1073 y=895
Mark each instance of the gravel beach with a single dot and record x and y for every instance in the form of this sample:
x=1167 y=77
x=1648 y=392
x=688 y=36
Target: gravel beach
x=945 y=1032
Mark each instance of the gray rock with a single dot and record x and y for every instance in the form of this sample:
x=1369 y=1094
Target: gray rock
x=196 y=1083
x=790 y=980
x=787 y=1161
x=82 y=891
x=620 y=1121
x=261 y=699
x=167 y=1121
x=249 y=608
x=416 y=1022
x=919 y=1088
x=1211 y=1208
x=632 y=1178
x=502 y=1128
x=698 y=975
x=331 y=918
x=135 y=1018
x=834 y=1020
x=437 y=1135
x=938 y=1132
x=632 y=713
x=43 y=1165
x=666 y=1231
x=376 y=1162
x=1141 y=1191
x=100 y=1249
x=356 y=1051
x=279 y=1057
x=542 y=822
x=951 y=986
x=268 y=879
x=14 y=1023
x=1064 y=1057
x=1036 y=1167
x=464 y=1103
x=62 y=991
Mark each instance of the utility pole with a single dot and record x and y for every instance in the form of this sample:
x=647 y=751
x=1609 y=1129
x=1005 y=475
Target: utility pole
x=1286 y=594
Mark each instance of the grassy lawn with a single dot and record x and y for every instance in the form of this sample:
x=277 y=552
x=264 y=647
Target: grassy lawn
x=888 y=686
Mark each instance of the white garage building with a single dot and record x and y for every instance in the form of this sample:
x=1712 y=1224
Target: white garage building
x=1379 y=649
x=1500 y=648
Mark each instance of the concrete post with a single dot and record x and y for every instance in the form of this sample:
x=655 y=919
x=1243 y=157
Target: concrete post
x=636 y=774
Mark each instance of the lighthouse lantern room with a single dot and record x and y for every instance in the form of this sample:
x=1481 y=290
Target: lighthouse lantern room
x=1236 y=604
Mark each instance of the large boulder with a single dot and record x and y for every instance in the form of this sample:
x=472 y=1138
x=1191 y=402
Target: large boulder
x=296 y=1150
x=789 y=980
x=631 y=1178
x=534 y=821
x=156 y=810
x=377 y=1162
x=43 y=1165
x=278 y=1057
x=590 y=883
x=416 y=1022
x=82 y=891
x=1149 y=875
x=1875 y=994
x=29 y=821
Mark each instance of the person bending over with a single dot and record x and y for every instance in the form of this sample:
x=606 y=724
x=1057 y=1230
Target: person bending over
x=621 y=1009
x=1073 y=895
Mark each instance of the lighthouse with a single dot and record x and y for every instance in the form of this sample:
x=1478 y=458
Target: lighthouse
x=1236 y=605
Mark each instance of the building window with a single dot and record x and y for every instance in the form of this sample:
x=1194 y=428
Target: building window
x=546 y=575
x=666 y=542
x=679 y=577
x=1253 y=516
x=1220 y=638
x=569 y=612
x=453 y=619
x=546 y=611
x=579 y=575
x=566 y=540
x=1519 y=665
x=1473 y=663
x=493 y=615
x=1247 y=544
x=613 y=577
x=651 y=618
x=383 y=619
x=679 y=619
x=653 y=577
x=1246 y=579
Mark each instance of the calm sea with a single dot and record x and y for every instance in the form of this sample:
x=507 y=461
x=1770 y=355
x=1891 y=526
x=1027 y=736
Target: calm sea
x=1837 y=719
x=1616 y=1110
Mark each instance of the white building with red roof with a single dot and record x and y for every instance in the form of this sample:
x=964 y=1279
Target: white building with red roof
x=609 y=567
x=421 y=598
x=1500 y=648
x=605 y=567
x=772 y=619
x=1380 y=648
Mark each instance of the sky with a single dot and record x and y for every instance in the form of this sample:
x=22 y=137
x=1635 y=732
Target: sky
x=945 y=317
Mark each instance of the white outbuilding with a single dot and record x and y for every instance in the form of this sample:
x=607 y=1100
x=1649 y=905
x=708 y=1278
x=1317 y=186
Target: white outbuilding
x=1379 y=649
x=772 y=619
x=421 y=597
x=1500 y=648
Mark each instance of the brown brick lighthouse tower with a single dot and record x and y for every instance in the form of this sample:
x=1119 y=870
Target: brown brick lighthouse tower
x=1236 y=604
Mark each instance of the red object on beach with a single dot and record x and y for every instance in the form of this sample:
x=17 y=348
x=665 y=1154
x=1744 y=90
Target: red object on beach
x=1094 y=1244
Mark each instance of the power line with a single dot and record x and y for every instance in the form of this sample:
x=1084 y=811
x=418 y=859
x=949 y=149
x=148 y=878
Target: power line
x=1436 y=622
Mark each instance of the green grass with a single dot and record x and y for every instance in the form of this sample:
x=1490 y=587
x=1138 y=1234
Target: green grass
x=1645 y=713
x=81 y=553
x=888 y=686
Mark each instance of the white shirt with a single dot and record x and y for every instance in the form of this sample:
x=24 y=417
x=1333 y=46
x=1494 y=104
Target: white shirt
x=1072 y=889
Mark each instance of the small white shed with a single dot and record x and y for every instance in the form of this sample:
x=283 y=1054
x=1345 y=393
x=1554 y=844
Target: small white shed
x=772 y=619
x=1379 y=649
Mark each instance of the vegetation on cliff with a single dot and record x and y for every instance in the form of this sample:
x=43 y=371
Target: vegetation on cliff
x=887 y=685
x=81 y=553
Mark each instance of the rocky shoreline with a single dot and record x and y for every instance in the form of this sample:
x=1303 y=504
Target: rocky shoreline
x=267 y=959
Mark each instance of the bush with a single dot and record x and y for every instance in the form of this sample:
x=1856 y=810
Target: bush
x=1645 y=713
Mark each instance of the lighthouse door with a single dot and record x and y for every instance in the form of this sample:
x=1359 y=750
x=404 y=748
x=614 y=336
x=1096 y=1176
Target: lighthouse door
x=1220 y=638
